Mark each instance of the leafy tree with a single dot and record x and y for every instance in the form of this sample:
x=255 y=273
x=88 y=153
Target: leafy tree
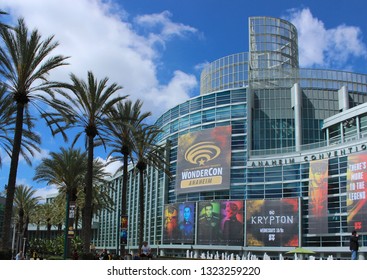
x=125 y=118
x=25 y=63
x=90 y=103
x=25 y=202
x=147 y=153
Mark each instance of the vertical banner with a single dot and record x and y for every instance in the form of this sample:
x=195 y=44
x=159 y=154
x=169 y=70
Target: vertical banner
x=209 y=231
x=204 y=160
x=71 y=231
x=318 y=200
x=186 y=222
x=232 y=223
x=272 y=222
x=123 y=230
x=356 y=192
x=170 y=226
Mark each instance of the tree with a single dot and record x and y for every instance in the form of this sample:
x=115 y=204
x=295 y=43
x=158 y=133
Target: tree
x=125 y=118
x=30 y=142
x=147 y=153
x=90 y=103
x=25 y=203
x=25 y=62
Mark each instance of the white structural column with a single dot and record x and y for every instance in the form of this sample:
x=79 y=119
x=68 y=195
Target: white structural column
x=297 y=108
x=343 y=99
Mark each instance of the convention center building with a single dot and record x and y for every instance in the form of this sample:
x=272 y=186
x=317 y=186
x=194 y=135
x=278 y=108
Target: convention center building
x=268 y=157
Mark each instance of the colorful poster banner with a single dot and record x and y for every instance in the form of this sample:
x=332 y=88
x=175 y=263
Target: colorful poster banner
x=232 y=223
x=204 y=160
x=123 y=229
x=170 y=226
x=186 y=224
x=209 y=230
x=318 y=199
x=356 y=192
x=179 y=223
x=272 y=222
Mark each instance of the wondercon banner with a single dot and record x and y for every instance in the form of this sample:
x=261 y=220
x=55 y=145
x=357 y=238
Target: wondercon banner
x=356 y=192
x=318 y=200
x=179 y=223
x=272 y=222
x=204 y=160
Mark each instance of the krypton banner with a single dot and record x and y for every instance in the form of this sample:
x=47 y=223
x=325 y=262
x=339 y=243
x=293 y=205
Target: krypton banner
x=272 y=222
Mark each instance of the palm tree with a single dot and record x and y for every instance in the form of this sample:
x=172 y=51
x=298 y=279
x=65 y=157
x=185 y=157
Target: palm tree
x=30 y=142
x=25 y=203
x=125 y=118
x=67 y=170
x=25 y=62
x=3 y=25
x=90 y=103
x=147 y=153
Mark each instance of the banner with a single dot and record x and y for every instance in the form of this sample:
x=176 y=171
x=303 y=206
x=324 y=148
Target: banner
x=179 y=223
x=272 y=222
x=356 y=192
x=170 y=226
x=318 y=200
x=72 y=209
x=204 y=160
x=232 y=223
x=123 y=229
x=209 y=222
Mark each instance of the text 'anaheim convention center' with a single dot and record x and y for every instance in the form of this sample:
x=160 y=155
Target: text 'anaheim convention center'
x=269 y=157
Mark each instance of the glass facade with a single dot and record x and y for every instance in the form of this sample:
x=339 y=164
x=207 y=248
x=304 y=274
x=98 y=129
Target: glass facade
x=282 y=118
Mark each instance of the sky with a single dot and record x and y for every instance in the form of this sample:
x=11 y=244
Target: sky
x=156 y=49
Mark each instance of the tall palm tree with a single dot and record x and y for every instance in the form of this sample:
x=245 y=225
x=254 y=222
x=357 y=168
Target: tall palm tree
x=65 y=169
x=30 y=142
x=25 y=62
x=25 y=202
x=147 y=153
x=125 y=118
x=90 y=103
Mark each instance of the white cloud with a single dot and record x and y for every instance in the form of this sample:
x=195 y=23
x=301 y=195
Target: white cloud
x=163 y=26
x=97 y=37
x=319 y=46
x=110 y=167
x=44 y=192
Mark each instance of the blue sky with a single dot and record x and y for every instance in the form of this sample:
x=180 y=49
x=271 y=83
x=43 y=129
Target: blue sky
x=156 y=49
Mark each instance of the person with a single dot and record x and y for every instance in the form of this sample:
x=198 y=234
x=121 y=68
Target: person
x=209 y=226
x=354 y=245
x=19 y=256
x=75 y=255
x=232 y=227
x=186 y=226
x=146 y=251
x=104 y=255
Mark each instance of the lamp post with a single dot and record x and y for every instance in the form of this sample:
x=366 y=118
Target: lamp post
x=24 y=242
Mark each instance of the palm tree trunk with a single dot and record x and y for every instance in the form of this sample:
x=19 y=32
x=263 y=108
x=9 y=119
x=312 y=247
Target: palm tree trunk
x=124 y=198
x=10 y=190
x=87 y=213
x=141 y=208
